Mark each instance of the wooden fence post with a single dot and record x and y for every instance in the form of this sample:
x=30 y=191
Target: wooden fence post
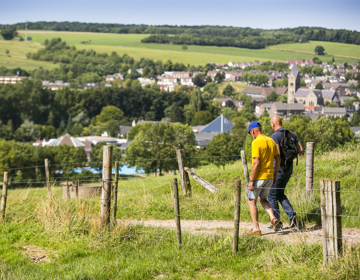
x=331 y=219
x=309 y=167
x=115 y=191
x=184 y=177
x=177 y=211
x=77 y=189
x=47 y=173
x=237 y=215
x=245 y=167
x=106 y=185
x=67 y=190
x=4 y=196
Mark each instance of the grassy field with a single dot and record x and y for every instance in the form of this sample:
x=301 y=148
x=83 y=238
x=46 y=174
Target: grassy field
x=331 y=49
x=17 y=58
x=130 y=44
x=76 y=248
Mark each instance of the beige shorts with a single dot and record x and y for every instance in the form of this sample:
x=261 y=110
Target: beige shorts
x=261 y=189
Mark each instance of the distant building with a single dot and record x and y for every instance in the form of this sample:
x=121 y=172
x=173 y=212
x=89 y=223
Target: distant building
x=220 y=124
x=111 y=78
x=54 y=86
x=11 y=79
x=286 y=109
x=91 y=85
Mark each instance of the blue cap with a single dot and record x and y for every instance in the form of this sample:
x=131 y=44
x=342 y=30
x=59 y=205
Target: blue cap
x=253 y=125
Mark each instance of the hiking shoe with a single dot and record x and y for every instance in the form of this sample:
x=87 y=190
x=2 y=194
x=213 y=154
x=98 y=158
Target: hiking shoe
x=254 y=232
x=276 y=224
x=294 y=223
x=271 y=227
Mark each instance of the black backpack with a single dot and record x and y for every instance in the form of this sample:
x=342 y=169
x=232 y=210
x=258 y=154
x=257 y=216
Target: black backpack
x=288 y=149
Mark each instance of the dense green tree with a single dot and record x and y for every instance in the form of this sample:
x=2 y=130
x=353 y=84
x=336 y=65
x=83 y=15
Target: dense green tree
x=317 y=71
x=319 y=86
x=8 y=32
x=195 y=101
x=272 y=97
x=110 y=113
x=319 y=50
x=184 y=47
x=349 y=76
x=283 y=98
x=223 y=149
x=262 y=79
x=230 y=113
x=212 y=89
x=154 y=149
x=201 y=118
x=228 y=91
x=199 y=80
x=355 y=119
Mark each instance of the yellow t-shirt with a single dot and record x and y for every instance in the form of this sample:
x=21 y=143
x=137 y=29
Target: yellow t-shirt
x=265 y=149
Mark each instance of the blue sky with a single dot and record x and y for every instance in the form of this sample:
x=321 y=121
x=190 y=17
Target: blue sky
x=265 y=14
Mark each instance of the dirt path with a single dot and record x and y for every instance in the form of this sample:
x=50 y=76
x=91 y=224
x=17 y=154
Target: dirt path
x=310 y=235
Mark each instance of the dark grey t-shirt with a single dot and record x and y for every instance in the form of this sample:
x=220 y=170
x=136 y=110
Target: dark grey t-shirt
x=277 y=136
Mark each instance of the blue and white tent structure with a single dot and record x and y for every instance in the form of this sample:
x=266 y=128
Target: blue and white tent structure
x=220 y=124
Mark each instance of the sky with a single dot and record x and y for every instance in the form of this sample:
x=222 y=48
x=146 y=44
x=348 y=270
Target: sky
x=266 y=14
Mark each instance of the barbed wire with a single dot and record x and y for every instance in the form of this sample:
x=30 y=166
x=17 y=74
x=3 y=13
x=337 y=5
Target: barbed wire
x=346 y=170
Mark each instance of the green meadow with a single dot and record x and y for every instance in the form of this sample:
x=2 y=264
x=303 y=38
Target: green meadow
x=67 y=233
x=17 y=55
x=338 y=50
x=195 y=55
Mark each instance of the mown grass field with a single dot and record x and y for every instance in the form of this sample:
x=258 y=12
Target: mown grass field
x=195 y=55
x=77 y=249
x=17 y=58
x=331 y=49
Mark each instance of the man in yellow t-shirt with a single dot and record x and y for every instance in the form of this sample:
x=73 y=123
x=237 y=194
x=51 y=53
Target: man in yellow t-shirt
x=263 y=175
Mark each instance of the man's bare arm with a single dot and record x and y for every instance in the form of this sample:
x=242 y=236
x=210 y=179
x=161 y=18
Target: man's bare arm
x=255 y=167
x=301 y=149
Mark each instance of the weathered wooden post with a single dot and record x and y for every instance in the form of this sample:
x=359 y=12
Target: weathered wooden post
x=245 y=167
x=115 y=191
x=237 y=215
x=67 y=190
x=331 y=219
x=184 y=177
x=106 y=185
x=177 y=211
x=77 y=189
x=4 y=196
x=309 y=167
x=47 y=174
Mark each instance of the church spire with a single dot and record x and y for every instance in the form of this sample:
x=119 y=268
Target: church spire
x=294 y=69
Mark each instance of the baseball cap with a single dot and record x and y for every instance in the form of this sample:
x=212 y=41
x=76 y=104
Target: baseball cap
x=253 y=125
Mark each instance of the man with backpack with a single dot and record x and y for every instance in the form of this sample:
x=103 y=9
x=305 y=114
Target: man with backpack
x=289 y=147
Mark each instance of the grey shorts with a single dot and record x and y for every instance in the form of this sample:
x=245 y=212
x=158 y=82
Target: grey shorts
x=261 y=189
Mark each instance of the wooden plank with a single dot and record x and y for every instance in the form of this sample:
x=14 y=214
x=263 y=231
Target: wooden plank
x=106 y=189
x=236 y=216
x=337 y=218
x=47 y=173
x=323 y=219
x=309 y=167
x=330 y=221
x=245 y=167
x=4 y=196
x=184 y=177
x=115 y=193
x=177 y=211
x=201 y=181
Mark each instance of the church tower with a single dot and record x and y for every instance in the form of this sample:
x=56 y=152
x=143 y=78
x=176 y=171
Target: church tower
x=294 y=83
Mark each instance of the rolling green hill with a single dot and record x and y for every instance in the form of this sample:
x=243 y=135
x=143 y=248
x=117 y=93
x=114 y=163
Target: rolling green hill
x=196 y=55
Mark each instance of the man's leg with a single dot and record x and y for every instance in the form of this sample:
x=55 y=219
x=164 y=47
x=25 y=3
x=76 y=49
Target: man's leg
x=273 y=197
x=254 y=212
x=284 y=201
x=266 y=205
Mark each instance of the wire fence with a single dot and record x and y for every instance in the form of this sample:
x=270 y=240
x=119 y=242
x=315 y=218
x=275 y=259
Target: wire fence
x=145 y=185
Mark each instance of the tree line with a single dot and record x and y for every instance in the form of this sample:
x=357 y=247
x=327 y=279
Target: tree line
x=263 y=37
